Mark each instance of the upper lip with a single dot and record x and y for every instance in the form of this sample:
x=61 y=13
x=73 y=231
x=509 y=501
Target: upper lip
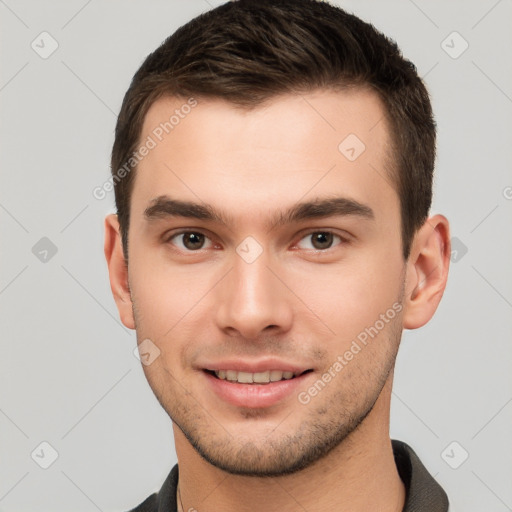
x=259 y=366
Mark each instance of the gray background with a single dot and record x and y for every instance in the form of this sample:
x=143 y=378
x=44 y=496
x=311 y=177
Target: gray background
x=68 y=375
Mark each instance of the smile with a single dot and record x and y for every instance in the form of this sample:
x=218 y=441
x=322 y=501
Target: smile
x=255 y=378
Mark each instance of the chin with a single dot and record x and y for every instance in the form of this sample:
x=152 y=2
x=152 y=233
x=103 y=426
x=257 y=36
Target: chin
x=273 y=457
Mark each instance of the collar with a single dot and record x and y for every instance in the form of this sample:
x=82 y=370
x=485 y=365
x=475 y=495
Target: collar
x=423 y=493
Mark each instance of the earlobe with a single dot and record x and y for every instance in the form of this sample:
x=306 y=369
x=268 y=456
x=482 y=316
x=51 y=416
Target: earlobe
x=427 y=272
x=118 y=270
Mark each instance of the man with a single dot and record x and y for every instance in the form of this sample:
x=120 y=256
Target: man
x=273 y=169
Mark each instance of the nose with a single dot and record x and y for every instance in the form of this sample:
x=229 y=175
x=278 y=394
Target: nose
x=252 y=300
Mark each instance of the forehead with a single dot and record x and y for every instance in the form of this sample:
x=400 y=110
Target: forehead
x=318 y=143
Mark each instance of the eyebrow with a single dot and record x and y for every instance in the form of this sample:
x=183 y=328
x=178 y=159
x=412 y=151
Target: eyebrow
x=163 y=207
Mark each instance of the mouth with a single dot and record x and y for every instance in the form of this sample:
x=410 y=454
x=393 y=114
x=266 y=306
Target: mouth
x=258 y=378
x=255 y=384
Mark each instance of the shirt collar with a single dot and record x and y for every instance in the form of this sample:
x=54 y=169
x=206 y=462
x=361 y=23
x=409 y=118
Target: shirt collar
x=423 y=493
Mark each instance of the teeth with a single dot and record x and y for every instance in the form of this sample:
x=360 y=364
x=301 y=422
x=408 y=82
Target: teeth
x=245 y=378
x=276 y=375
x=262 y=377
x=231 y=375
x=250 y=378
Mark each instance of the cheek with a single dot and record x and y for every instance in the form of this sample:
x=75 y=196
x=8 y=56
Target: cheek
x=350 y=297
x=171 y=302
x=155 y=280
x=159 y=299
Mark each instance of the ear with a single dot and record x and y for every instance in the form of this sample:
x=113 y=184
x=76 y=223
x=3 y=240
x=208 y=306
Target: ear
x=427 y=271
x=118 y=271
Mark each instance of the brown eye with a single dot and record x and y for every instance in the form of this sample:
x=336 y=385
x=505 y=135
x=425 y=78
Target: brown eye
x=189 y=240
x=193 y=240
x=320 y=240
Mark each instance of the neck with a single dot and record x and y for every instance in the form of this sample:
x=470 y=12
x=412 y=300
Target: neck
x=358 y=475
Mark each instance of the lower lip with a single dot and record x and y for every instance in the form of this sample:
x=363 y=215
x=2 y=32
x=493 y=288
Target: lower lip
x=255 y=395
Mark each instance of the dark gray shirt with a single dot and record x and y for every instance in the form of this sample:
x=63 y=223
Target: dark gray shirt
x=424 y=494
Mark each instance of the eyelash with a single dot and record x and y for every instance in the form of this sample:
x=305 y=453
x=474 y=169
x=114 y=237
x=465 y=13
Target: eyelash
x=343 y=240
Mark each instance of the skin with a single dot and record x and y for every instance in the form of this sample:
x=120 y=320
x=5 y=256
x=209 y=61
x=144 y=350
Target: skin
x=300 y=304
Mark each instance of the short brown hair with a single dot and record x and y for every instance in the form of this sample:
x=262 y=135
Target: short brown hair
x=248 y=51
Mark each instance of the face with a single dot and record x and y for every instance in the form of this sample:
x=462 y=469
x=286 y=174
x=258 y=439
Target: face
x=265 y=257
